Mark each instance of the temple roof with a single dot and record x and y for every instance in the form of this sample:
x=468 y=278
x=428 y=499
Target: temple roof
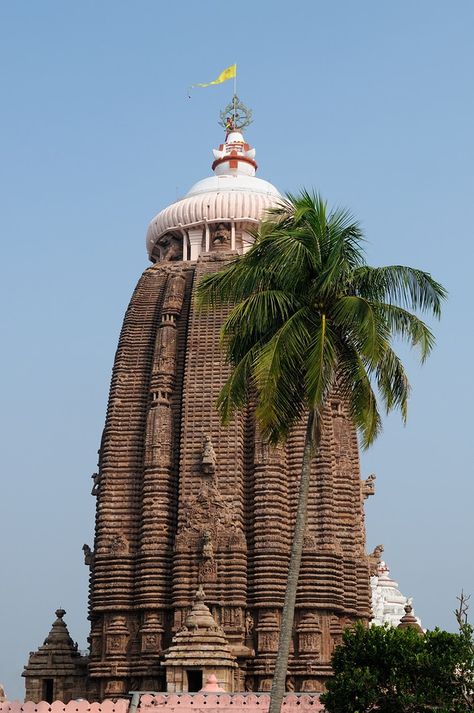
x=58 y=651
x=201 y=641
x=232 y=193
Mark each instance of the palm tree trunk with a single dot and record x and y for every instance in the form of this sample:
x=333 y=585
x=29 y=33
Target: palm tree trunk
x=279 y=677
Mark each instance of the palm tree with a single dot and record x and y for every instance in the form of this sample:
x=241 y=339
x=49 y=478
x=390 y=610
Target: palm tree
x=308 y=316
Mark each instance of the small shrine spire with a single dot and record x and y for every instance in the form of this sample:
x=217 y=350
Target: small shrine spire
x=409 y=620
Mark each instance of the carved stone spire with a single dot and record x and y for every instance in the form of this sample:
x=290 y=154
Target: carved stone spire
x=58 y=658
x=200 y=644
x=408 y=620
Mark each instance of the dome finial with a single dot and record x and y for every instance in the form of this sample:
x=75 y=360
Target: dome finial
x=235 y=116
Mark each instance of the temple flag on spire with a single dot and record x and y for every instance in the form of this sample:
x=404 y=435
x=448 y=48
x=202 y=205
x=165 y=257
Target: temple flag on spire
x=228 y=73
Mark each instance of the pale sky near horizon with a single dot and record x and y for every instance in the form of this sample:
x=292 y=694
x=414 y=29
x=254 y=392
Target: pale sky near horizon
x=370 y=103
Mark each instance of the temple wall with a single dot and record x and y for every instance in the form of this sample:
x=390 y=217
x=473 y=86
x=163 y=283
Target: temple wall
x=77 y=706
x=172 y=703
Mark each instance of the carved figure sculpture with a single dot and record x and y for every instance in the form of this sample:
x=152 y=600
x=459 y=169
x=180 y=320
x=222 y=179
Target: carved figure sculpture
x=88 y=555
x=208 y=461
x=207 y=548
x=95 y=484
x=221 y=235
x=374 y=559
x=171 y=248
x=249 y=624
x=368 y=486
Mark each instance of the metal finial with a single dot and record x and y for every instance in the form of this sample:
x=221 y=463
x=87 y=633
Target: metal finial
x=236 y=115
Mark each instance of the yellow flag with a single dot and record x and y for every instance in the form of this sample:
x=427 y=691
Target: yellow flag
x=228 y=73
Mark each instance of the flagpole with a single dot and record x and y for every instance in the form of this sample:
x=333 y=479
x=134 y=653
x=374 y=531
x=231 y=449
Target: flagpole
x=234 y=99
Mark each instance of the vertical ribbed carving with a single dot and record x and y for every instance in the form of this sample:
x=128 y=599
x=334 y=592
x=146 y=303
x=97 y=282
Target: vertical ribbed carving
x=120 y=474
x=210 y=545
x=157 y=515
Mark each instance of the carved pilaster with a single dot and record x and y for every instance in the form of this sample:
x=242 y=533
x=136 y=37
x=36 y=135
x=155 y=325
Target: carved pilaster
x=151 y=633
x=157 y=493
x=117 y=637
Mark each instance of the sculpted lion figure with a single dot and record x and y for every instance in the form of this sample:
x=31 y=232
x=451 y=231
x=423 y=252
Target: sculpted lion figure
x=171 y=248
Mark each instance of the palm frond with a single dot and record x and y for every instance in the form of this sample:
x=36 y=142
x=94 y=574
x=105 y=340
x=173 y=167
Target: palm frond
x=320 y=363
x=234 y=394
x=356 y=388
x=409 y=327
x=277 y=369
x=359 y=321
x=398 y=284
x=392 y=382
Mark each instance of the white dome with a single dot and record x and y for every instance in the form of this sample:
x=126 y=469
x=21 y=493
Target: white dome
x=229 y=182
x=231 y=194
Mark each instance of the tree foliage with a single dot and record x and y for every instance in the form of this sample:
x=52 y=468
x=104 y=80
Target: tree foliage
x=308 y=313
x=392 y=670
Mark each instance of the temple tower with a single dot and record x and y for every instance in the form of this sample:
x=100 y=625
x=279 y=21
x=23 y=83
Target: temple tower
x=184 y=502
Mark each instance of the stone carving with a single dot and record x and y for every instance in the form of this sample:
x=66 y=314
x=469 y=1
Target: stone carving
x=151 y=630
x=207 y=565
x=208 y=459
x=290 y=684
x=335 y=630
x=368 y=486
x=249 y=684
x=309 y=541
x=375 y=559
x=209 y=511
x=2 y=693
x=171 y=247
x=95 y=484
x=207 y=548
x=173 y=302
x=309 y=635
x=118 y=545
x=221 y=235
x=88 y=555
x=267 y=631
x=115 y=687
x=249 y=625
x=117 y=636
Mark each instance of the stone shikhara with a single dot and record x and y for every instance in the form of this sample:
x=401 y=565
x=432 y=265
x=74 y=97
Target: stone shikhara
x=186 y=505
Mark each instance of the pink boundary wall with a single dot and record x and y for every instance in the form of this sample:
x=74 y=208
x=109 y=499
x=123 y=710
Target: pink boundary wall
x=174 y=702
x=226 y=702
x=120 y=706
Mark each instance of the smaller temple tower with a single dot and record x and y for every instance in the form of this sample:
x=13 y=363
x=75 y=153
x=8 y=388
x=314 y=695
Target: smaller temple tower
x=57 y=670
x=199 y=649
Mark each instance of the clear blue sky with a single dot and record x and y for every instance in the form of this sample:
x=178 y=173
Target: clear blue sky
x=371 y=103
